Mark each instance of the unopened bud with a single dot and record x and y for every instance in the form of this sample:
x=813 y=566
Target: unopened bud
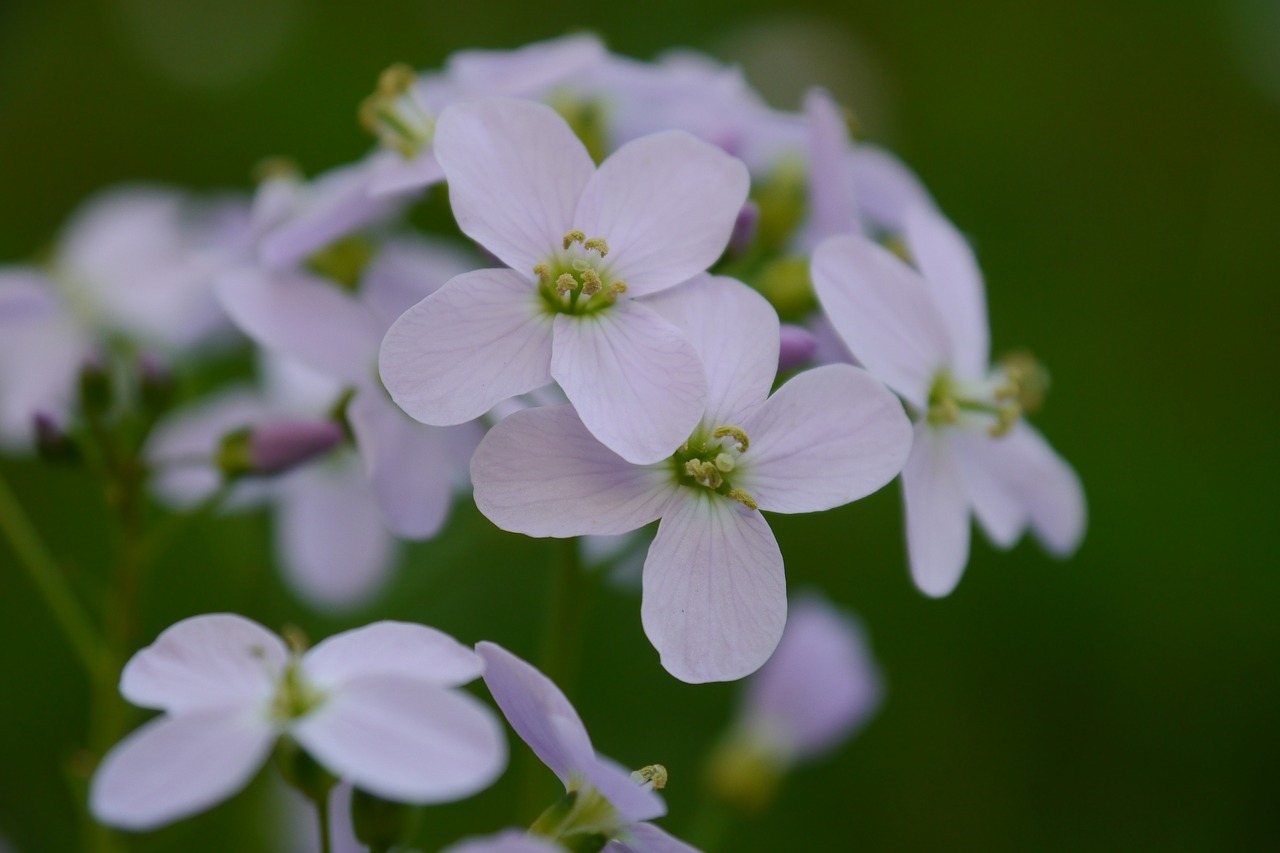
x=745 y=228
x=155 y=383
x=95 y=388
x=52 y=442
x=796 y=346
x=276 y=448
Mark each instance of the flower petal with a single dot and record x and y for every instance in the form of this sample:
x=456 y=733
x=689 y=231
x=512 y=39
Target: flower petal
x=508 y=841
x=174 y=767
x=391 y=648
x=305 y=318
x=667 y=204
x=647 y=838
x=715 y=597
x=219 y=660
x=406 y=462
x=515 y=173
x=828 y=436
x=831 y=196
x=483 y=337
x=635 y=379
x=992 y=476
x=407 y=270
x=886 y=188
x=405 y=740
x=946 y=262
x=404 y=176
x=614 y=782
x=735 y=332
x=539 y=472
x=330 y=538
x=884 y=312
x=937 y=513
x=1051 y=489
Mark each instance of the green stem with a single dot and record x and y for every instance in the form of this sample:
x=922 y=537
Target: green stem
x=711 y=825
x=40 y=566
x=322 y=815
x=565 y=610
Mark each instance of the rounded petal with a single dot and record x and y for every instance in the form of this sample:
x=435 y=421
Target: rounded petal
x=828 y=436
x=405 y=176
x=174 y=767
x=391 y=648
x=635 y=379
x=515 y=173
x=406 y=462
x=715 y=597
x=483 y=337
x=530 y=69
x=667 y=204
x=886 y=188
x=215 y=661
x=509 y=841
x=1052 y=491
x=304 y=318
x=831 y=197
x=405 y=740
x=539 y=472
x=407 y=270
x=884 y=312
x=647 y=838
x=937 y=513
x=992 y=477
x=330 y=538
x=614 y=782
x=951 y=272
x=735 y=332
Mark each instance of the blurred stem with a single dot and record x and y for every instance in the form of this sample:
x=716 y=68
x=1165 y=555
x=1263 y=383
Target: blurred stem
x=322 y=815
x=711 y=825
x=40 y=566
x=565 y=607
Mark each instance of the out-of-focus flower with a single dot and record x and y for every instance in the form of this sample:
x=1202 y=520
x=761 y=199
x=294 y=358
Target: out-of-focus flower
x=510 y=841
x=714 y=592
x=818 y=688
x=580 y=244
x=925 y=335
x=602 y=801
x=373 y=706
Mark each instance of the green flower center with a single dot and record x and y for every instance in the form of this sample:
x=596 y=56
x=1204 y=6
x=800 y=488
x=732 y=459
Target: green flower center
x=708 y=461
x=578 y=280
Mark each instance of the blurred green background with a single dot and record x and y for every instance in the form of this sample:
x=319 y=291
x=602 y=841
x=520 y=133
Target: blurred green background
x=1117 y=163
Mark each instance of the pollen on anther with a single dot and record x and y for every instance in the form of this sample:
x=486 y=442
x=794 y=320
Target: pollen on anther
x=591 y=284
x=574 y=236
x=565 y=283
x=736 y=433
x=543 y=272
x=743 y=498
x=618 y=288
x=597 y=243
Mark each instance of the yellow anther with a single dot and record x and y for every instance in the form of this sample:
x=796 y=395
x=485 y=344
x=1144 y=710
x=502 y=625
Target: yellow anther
x=653 y=777
x=741 y=496
x=574 y=236
x=393 y=115
x=944 y=411
x=565 y=283
x=725 y=462
x=597 y=243
x=591 y=284
x=703 y=472
x=1008 y=416
x=543 y=272
x=1026 y=381
x=296 y=639
x=737 y=433
x=618 y=288
x=397 y=79
x=276 y=167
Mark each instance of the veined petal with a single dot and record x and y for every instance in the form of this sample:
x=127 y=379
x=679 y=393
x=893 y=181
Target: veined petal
x=539 y=472
x=884 y=312
x=951 y=273
x=667 y=204
x=330 y=538
x=937 y=513
x=1052 y=491
x=218 y=660
x=735 y=332
x=831 y=196
x=405 y=740
x=515 y=173
x=537 y=710
x=305 y=318
x=634 y=378
x=647 y=838
x=391 y=648
x=715 y=597
x=406 y=463
x=828 y=436
x=174 y=767
x=483 y=337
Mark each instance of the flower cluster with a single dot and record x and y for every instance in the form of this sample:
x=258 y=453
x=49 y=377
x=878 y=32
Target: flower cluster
x=673 y=304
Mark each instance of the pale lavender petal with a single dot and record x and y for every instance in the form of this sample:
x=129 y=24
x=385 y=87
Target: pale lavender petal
x=634 y=378
x=515 y=173
x=405 y=176
x=215 y=661
x=539 y=472
x=831 y=348
x=820 y=684
x=406 y=462
x=391 y=648
x=647 y=838
x=26 y=294
x=735 y=332
x=715 y=597
x=797 y=346
x=666 y=204
x=407 y=270
x=305 y=318
x=483 y=337
x=884 y=312
x=530 y=69
x=281 y=445
x=993 y=470
x=951 y=272
x=831 y=197
x=614 y=782
x=828 y=436
x=937 y=513
x=174 y=767
x=509 y=841
x=405 y=740
x=537 y=710
x=40 y=359
x=1051 y=490
x=886 y=188
x=330 y=538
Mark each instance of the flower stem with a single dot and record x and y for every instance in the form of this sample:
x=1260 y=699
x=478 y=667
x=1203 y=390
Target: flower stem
x=322 y=815
x=40 y=566
x=565 y=610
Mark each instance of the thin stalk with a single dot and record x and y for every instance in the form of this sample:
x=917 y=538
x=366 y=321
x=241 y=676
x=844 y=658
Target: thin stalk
x=565 y=611
x=322 y=815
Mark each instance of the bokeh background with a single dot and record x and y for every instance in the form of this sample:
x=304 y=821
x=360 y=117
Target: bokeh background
x=1117 y=163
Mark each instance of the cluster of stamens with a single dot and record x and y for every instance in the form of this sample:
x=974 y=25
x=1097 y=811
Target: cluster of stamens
x=578 y=276
x=709 y=463
x=1022 y=385
x=394 y=115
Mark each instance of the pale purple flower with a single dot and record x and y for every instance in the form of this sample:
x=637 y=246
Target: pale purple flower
x=924 y=333
x=509 y=841
x=580 y=244
x=609 y=800
x=714 y=597
x=797 y=346
x=374 y=706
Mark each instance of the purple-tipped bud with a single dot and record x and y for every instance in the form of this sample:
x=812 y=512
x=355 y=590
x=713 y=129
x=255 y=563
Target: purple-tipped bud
x=277 y=447
x=52 y=442
x=155 y=382
x=95 y=387
x=797 y=346
x=744 y=229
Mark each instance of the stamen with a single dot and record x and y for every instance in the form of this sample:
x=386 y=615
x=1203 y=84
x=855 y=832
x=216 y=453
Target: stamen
x=738 y=434
x=618 y=288
x=741 y=496
x=543 y=271
x=652 y=777
x=591 y=284
x=1005 y=420
x=705 y=473
x=565 y=283
x=574 y=236
x=597 y=243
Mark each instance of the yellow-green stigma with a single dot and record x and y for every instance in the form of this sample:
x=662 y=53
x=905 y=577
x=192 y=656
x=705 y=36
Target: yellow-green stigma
x=395 y=115
x=708 y=462
x=1015 y=388
x=578 y=280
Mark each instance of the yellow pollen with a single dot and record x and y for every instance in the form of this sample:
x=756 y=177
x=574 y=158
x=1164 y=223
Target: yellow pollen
x=543 y=271
x=591 y=284
x=738 y=434
x=741 y=496
x=704 y=472
x=276 y=167
x=653 y=777
x=1009 y=415
x=618 y=288
x=597 y=243
x=574 y=236
x=565 y=283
